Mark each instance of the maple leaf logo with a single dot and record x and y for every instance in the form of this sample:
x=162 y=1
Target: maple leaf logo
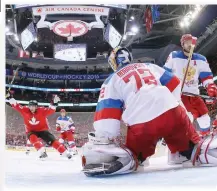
x=33 y=121
x=39 y=10
x=70 y=29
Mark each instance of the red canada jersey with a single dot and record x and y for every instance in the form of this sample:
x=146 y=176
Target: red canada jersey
x=214 y=123
x=35 y=121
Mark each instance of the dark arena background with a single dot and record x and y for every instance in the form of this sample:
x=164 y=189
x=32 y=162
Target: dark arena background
x=63 y=50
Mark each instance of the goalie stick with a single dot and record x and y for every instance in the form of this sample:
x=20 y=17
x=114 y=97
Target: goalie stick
x=194 y=40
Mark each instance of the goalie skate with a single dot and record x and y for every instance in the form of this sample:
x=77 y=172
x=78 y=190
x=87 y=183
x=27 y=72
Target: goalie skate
x=101 y=169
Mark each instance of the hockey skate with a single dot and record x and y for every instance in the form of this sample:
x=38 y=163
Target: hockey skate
x=68 y=155
x=27 y=152
x=176 y=158
x=43 y=155
x=73 y=151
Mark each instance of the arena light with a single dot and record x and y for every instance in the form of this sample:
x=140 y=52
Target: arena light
x=190 y=16
x=198 y=7
x=186 y=19
x=194 y=14
x=124 y=37
x=187 y=23
x=134 y=29
x=7 y=29
x=16 y=37
x=132 y=18
x=182 y=24
x=36 y=39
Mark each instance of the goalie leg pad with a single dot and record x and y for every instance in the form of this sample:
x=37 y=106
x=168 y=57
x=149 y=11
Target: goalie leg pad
x=106 y=159
x=206 y=151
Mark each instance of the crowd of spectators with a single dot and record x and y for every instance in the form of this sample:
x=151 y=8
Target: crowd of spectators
x=48 y=70
x=213 y=63
x=55 y=83
x=46 y=97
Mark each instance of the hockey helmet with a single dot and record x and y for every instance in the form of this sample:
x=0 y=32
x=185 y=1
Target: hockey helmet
x=120 y=56
x=185 y=37
x=62 y=110
x=33 y=102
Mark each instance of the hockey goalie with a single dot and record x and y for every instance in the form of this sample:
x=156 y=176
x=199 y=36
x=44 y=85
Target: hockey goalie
x=147 y=98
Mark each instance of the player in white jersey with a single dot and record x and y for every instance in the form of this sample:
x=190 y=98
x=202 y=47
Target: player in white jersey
x=198 y=70
x=65 y=125
x=146 y=97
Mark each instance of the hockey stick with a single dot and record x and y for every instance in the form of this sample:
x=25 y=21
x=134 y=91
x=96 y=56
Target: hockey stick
x=12 y=81
x=202 y=96
x=194 y=40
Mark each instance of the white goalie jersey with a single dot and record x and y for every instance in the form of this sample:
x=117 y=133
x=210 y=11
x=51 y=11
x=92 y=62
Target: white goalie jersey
x=154 y=91
x=198 y=70
x=64 y=124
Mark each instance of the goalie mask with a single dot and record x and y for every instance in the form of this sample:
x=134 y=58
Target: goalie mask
x=119 y=57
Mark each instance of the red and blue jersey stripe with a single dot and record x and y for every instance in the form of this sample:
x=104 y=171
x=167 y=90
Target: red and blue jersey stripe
x=205 y=76
x=109 y=109
x=169 y=80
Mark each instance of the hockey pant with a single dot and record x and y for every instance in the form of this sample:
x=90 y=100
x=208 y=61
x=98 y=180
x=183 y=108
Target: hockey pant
x=68 y=137
x=174 y=126
x=47 y=137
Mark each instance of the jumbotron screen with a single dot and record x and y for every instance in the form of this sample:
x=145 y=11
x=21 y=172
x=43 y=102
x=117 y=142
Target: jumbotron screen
x=70 y=52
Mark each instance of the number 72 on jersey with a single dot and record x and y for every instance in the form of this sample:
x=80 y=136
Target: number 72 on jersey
x=140 y=75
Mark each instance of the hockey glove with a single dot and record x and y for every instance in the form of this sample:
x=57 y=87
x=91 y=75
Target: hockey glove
x=12 y=101
x=58 y=128
x=55 y=101
x=212 y=90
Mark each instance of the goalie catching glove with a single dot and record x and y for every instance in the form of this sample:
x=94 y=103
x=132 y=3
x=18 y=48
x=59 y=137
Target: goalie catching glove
x=102 y=157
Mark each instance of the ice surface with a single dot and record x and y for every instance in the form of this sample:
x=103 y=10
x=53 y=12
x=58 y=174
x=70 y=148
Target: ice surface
x=24 y=171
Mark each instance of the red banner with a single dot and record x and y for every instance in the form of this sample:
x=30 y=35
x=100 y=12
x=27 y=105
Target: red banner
x=148 y=19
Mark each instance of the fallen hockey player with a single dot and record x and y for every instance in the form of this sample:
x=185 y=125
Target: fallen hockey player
x=147 y=98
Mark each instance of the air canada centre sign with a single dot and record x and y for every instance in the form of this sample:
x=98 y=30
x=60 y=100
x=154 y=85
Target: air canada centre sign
x=46 y=10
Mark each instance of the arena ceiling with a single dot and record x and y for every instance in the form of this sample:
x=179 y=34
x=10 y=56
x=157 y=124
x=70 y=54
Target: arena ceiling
x=166 y=30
